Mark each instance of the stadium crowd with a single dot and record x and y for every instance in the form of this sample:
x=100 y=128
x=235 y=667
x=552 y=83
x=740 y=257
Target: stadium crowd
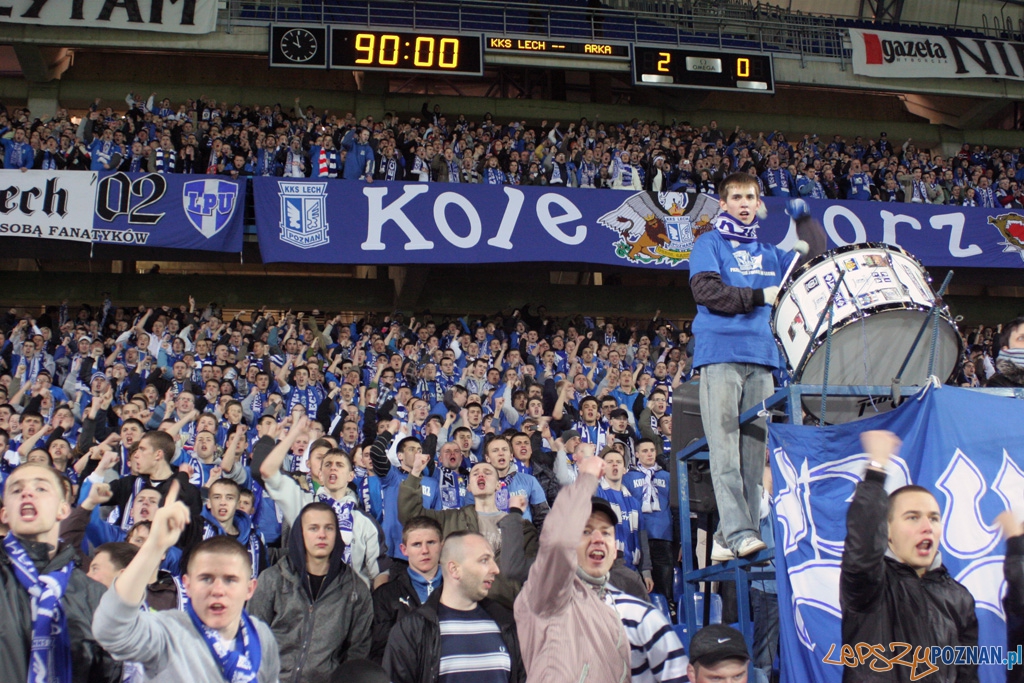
x=208 y=137
x=364 y=443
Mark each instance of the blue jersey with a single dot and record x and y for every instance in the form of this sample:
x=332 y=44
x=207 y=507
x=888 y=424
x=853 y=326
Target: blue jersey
x=777 y=182
x=658 y=522
x=627 y=531
x=390 y=485
x=518 y=484
x=744 y=337
x=392 y=527
x=860 y=187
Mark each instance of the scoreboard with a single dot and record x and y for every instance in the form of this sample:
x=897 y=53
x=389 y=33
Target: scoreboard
x=691 y=68
x=427 y=51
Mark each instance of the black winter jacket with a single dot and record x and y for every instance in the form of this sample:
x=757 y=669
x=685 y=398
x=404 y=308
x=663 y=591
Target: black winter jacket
x=884 y=600
x=89 y=662
x=392 y=602
x=1013 y=603
x=1008 y=375
x=413 y=654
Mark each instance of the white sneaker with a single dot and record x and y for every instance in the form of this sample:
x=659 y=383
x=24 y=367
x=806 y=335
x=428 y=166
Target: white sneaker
x=750 y=546
x=720 y=553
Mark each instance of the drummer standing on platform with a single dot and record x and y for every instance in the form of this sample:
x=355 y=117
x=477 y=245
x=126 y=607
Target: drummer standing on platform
x=735 y=280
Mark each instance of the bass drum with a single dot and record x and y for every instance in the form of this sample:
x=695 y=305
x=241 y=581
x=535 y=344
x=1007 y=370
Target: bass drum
x=884 y=299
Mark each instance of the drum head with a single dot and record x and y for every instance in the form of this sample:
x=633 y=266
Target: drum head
x=870 y=351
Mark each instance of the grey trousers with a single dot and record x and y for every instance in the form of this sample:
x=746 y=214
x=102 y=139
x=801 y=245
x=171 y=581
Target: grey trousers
x=737 y=455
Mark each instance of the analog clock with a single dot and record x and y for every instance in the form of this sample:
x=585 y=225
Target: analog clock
x=299 y=45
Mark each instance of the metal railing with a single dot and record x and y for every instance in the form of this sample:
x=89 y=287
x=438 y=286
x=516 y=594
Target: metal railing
x=570 y=19
x=991 y=27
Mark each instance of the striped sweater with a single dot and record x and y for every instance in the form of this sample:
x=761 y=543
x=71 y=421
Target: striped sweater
x=655 y=652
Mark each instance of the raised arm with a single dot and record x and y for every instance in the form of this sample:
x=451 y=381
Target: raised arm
x=863 y=566
x=550 y=583
x=271 y=465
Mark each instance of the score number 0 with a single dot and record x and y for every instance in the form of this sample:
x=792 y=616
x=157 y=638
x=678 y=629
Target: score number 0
x=447 y=58
x=742 y=64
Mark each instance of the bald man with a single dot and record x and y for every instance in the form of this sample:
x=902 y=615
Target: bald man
x=458 y=635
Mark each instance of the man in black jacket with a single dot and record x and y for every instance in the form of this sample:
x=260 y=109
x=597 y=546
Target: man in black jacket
x=316 y=605
x=410 y=586
x=893 y=587
x=55 y=643
x=1010 y=361
x=458 y=630
x=1013 y=601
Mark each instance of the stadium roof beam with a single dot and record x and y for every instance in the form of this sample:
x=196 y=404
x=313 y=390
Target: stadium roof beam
x=42 y=64
x=882 y=11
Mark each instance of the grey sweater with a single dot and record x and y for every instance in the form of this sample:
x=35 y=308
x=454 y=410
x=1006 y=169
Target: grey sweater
x=167 y=644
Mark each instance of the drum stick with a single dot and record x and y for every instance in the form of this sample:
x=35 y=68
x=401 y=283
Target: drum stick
x=801 y=248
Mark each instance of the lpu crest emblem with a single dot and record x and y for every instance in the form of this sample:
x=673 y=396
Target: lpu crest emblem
x=209 y=204
x=304 y=214
x=1011 y=227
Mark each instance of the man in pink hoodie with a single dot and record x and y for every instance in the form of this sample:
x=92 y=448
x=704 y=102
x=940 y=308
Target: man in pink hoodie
x=571 y=620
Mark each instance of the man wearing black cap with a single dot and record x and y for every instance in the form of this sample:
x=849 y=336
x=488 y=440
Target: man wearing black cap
x=883 y=144
x=718 y=653
x=566 y=630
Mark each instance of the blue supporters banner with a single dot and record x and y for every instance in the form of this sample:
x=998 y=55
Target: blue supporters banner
x=347 y=222
x=144 y=209
x=974 y=472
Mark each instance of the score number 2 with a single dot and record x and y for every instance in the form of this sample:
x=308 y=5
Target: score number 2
x=663 y=63
x=423 y=52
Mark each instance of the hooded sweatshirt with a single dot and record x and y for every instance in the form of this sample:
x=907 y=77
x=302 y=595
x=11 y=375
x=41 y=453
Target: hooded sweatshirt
x=317 y=629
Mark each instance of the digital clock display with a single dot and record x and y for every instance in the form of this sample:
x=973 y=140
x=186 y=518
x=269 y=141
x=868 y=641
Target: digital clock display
x=690 y=68
x=406 y=52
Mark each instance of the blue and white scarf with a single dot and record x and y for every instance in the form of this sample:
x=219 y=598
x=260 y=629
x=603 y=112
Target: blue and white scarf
x=247 y=535
x=732 y=229
x=309 y=398
x=452 y=487
x=49 y=161
x=32 y=367
x=165 y=160
x=128 y=518
x=650 y=503
x=241 y=663
x=363 y=484
x=200 y=470
x=50 y=660
x=389 y=168
x=501 y=494
x=343 y=511
x=494 y=176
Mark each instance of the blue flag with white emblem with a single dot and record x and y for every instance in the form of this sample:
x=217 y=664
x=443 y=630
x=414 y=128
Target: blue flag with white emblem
x=962 y=445
x=210 y=204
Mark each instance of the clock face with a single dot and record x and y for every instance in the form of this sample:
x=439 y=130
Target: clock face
x=298 y=45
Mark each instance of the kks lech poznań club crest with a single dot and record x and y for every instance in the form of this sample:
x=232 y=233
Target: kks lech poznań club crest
x=659 y=228
x=1011 y=227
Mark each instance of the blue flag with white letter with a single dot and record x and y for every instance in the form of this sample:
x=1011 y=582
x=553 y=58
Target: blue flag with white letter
x=964 y=446
x=312 y=220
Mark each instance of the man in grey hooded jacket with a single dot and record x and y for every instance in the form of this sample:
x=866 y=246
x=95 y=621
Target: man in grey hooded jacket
x=319 y=610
